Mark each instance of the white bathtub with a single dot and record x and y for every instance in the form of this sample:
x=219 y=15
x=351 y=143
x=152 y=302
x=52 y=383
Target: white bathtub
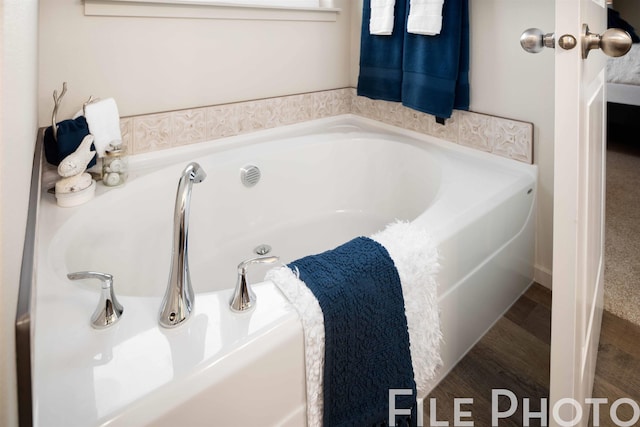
x=323 y=183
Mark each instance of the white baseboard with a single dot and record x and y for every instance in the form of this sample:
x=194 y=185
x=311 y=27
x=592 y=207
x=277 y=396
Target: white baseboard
x=543 y=276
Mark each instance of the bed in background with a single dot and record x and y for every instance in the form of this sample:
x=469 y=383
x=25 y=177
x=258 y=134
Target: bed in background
x=623 y=73
x=623 y=77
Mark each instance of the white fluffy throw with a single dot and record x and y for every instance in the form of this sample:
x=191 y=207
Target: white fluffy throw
x=312 y=319
x=416 y=259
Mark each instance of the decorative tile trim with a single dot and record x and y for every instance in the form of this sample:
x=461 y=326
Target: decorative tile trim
x=476 y=131
x=189 y=126
x=504 y=137
x=153 y=132
x=513 y=139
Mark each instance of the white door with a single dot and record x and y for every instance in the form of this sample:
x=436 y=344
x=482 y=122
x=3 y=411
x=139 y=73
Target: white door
x=578 y=220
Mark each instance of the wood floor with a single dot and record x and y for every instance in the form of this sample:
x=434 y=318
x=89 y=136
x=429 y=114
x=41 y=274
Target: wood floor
x=514 y=355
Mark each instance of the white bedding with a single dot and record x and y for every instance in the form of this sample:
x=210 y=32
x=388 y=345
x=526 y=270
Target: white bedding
x=625 y=69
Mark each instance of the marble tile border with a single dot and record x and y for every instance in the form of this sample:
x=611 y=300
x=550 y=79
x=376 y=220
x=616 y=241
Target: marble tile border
x=151 y=132
x=504 y=137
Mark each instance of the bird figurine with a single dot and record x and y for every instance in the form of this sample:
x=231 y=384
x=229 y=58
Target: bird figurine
x=76 y=162
x=72 y=168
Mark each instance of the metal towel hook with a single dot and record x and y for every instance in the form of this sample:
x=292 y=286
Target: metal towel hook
x=91 y=100
x=57 y=100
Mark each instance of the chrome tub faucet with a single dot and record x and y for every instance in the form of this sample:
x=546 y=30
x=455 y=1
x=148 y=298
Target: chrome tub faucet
x=179 y=297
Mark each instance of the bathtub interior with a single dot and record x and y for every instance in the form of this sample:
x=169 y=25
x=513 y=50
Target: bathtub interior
x=481 y=217
x=312 y=197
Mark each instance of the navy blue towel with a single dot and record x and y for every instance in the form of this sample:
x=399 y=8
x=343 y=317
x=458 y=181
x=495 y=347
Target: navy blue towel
x=381 y=57
x=70 y=135
x=436 y=68
x=366 y=338
x=427 y=73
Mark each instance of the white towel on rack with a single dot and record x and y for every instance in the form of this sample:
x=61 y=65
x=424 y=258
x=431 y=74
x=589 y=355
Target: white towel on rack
x=104 y=123
x=382 y=16
x=425 y=17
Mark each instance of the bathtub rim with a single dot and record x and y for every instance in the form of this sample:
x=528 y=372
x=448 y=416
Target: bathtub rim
x=144 y=163
x=24 y=320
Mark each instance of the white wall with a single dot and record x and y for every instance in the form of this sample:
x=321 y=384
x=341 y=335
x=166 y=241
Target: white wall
x=18 y=120
x=508 y=82
x=159 y=64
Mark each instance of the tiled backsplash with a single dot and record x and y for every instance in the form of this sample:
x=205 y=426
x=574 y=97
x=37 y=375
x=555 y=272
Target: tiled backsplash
x=504 y=137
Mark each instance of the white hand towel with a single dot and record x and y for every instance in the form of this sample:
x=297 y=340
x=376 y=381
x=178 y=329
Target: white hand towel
x=381 y=21
x=104 y=123
x=425 y=17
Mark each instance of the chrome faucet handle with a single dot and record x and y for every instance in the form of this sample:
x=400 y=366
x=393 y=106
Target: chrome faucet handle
x=243 y=297
x=109 y=309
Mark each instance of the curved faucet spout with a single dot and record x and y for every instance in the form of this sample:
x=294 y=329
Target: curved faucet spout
x=179 y=297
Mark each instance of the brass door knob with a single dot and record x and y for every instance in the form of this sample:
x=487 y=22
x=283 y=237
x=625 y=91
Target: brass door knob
x=613 y=42
x=533 y=40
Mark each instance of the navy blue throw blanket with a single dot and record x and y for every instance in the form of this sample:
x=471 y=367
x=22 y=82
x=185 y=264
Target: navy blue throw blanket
x=366 y=337
x=70 y=135
x=434 y=70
